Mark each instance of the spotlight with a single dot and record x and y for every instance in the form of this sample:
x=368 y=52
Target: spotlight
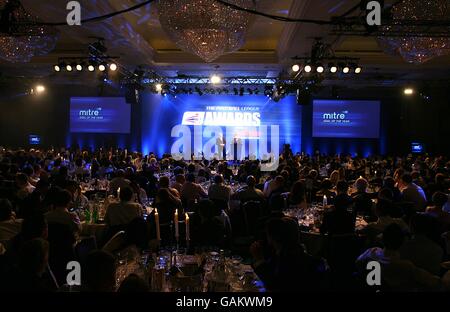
x=102 y=67
x=57 y=68
x=38 y=89
x=319 y=69
x=333 y=68
x=308 y=68
x=91 y=67
x=215 y=79
x=358 y=70
x=158 y=87
x=346 y=69
x=295 y=68
x=69 y=67
x=79 y=67
x=408 y=91
x=113 y=66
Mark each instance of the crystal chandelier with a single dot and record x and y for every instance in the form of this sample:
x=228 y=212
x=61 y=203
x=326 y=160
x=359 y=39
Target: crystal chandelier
x=416 y=48
x=21 y=37
x=205 y=28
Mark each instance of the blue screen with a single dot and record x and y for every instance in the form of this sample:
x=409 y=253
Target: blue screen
x=346 y=119
x=236 y=114
x=416 y=147
x=99 y=115
x=34 y=139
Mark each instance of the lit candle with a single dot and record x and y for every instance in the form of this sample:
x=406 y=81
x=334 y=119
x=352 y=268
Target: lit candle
x=118 y=192
x=158 y=230
x=177 y=232
x=325 y=200
x=188 y=236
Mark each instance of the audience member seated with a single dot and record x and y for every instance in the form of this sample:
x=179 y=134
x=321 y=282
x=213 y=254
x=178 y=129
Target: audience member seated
x=99 y=273
x=389 y=183
x=342 y=189
x=192 y=191
x=397 y=274
x=34 y=226
x=164 y=182
x=325 y=190
x=269 y=184
x=60 y=214
x=24 y=188
x=30 y=274
x=420 y=249
x=180 y=179
x=166 y=203
x=209 y=230
x=339 y=220
x=297 y=195
x=287 y=268
x=9 y=225
x=363 y=204
x=219 y=191
x=413 y=193
x=278 y=189
x=119 y=181
x=383 y=210
x=79 y=201
x=249 y=192
x=119 y=215
x=437 y=211
x=60 y=177
x=139 y=192
x=441 y=184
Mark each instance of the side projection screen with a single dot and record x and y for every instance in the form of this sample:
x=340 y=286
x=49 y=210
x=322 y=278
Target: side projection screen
x=346 y=119
x=99 y=115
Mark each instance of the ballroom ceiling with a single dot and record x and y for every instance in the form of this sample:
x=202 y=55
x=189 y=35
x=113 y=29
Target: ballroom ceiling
x=138 y=39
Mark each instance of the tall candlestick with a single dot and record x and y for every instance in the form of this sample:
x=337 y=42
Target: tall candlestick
x=158 y=230
x=118 y=192
x=325 y=200
x=188 y=236
x=177 y=232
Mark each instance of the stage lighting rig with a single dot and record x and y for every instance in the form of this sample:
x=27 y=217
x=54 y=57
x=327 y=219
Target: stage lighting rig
x=321 y=54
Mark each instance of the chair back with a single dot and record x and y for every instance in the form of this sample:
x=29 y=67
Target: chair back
x=84 y=247
x=116 y=242
x=252 y=211
x=342 y=252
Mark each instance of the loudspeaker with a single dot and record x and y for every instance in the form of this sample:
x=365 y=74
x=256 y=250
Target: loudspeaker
x=132 y=95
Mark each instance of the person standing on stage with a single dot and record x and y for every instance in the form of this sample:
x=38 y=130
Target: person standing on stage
x=220 y=142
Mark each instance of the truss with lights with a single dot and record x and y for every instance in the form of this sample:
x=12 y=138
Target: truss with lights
x=90 y=64
x=210 y=80
x=333 y=65
x=322 y=60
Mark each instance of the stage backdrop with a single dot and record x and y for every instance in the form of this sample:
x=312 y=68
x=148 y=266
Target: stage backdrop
x=163 y=118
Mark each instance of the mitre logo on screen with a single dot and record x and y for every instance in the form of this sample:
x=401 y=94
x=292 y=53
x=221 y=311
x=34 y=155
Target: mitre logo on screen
x=91 y=114
x=340 y=117
x=221 y=119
